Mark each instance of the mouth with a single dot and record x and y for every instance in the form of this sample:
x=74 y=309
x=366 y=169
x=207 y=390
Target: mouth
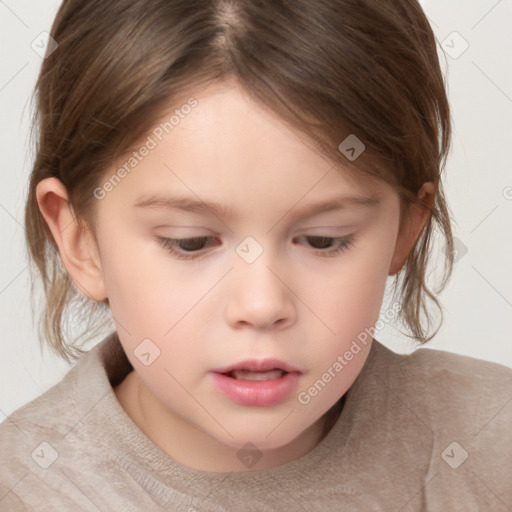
x=251 y=375
x=257 y=382
x=250 y=367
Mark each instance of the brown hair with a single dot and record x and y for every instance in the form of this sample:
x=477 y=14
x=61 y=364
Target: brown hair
x=328 y=68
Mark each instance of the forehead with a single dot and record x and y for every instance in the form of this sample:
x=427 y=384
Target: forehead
x=229 y=146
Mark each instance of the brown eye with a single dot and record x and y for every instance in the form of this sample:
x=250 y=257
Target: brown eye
x=326 y=246
x=192 y=244
x=187 y=248
x=320 y=242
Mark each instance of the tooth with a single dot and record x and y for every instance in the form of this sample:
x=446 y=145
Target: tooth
x=250 y=375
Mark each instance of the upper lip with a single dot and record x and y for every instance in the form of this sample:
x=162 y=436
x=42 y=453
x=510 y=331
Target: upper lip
x=258 y=365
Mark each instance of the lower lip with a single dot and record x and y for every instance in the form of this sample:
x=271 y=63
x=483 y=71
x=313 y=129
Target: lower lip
x=260 y=393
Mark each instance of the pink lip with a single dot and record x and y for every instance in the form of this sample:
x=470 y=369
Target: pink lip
x=260 y=393
x=259 y=365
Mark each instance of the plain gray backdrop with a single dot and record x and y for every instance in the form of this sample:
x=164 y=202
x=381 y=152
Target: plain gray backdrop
x=474 y=45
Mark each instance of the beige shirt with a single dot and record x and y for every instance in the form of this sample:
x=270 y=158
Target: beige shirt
x=431 y=431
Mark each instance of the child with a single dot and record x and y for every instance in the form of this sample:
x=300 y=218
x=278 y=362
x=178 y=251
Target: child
x=234 y=181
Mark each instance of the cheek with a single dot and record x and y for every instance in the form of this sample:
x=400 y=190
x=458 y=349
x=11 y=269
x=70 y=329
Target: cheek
x=154 y=297
x=350 y=296
x=349 y=311
x=154 y=307
x=349 y=304
x=348 y=299
x=147 y=291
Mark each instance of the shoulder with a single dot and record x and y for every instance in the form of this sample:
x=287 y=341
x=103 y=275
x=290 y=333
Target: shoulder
x=436 y=373
x=453 y=396
x=463 y=406
x=454 y=391
x=43 y=438
x=465 y=395
x=433 y=360
x=58 y=409
x=47 y=412
x=27 y=442
x=456 y=382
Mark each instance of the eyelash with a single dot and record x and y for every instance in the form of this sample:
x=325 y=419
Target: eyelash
x=344 y=243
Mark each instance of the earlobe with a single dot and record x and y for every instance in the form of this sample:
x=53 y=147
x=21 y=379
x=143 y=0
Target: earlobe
x=412 y=226
x=76 y=245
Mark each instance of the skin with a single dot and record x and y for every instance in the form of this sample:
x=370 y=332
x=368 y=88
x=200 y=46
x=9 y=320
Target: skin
x=293 y=302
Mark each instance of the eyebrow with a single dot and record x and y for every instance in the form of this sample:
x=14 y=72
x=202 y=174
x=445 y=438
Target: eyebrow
x=190 y=204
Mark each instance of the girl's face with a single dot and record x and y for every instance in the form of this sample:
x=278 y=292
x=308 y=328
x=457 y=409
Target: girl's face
x=261 y=272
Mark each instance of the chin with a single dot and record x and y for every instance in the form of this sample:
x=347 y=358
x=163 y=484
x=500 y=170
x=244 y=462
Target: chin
x=263 y=435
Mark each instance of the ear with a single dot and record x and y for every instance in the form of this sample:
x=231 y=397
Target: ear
x=77 y=246
x=412 y=225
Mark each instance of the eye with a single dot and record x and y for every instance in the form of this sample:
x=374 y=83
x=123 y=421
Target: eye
x=186 y=248
x=193 y=248
x=327 y=245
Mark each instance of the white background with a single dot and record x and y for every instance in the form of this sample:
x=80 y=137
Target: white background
x=478 y=300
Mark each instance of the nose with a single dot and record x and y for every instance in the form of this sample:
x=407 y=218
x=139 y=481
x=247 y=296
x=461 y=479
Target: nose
x=259 y=296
